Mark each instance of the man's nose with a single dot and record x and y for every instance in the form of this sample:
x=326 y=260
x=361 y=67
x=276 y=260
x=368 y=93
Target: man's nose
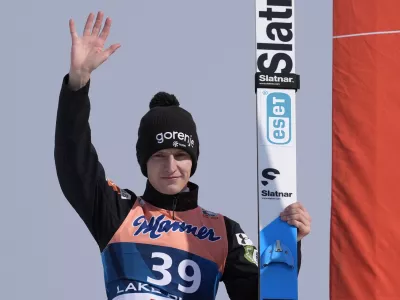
x=171 y=163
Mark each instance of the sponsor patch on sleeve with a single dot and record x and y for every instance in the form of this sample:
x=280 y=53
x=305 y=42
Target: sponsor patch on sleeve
x=243 y=239
x=125 y=195
x=251 y=254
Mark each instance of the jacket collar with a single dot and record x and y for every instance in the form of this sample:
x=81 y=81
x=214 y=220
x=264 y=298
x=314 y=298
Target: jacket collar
x=178 y=202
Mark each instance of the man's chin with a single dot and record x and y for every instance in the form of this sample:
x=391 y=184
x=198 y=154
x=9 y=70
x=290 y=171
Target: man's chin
x=172 y=189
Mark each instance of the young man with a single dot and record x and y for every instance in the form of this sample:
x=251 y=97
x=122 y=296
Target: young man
x=161 y=245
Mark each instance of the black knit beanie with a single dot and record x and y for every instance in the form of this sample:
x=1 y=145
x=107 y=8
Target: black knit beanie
x=166 y=125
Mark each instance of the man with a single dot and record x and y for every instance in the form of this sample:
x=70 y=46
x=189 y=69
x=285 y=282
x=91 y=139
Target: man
x=161 y=245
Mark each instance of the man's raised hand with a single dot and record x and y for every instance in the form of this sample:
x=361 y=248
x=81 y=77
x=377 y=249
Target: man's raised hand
x=87 y=51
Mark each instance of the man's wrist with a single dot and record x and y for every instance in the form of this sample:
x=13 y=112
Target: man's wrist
x=77 y=79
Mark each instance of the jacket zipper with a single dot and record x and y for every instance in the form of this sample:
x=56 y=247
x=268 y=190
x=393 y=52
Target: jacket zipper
x=174 y=207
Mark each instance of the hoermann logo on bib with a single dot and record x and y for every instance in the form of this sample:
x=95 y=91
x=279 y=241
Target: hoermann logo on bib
x=176 y=136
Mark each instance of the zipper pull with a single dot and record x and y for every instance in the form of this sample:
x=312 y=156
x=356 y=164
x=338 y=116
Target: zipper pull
x=174 y=207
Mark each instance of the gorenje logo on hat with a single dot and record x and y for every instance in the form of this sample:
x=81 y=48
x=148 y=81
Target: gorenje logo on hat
x=176 y=136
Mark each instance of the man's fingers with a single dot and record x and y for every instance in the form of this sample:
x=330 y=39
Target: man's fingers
x=295 y=207
x=302 y=207
x=302 y=229
x=106 y=29
x=291 y=211
x=110 y=50
x=72 y=29
x=88 y=25
x=294 y=212
x=303 y=219
x=97 y=24
x=301 y=224
x=297 y=217
x=297 y=224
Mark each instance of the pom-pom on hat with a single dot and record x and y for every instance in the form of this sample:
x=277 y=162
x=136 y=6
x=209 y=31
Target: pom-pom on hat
x=166 y=125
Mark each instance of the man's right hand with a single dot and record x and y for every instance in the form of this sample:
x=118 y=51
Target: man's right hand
x=87 y=51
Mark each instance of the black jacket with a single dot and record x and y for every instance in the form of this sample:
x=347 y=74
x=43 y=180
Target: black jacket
x=83 y=182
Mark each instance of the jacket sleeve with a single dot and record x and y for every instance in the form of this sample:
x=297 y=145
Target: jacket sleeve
x=80 y=174
x=241 y=269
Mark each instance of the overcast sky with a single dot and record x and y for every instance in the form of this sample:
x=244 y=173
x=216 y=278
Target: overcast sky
x=204 y=53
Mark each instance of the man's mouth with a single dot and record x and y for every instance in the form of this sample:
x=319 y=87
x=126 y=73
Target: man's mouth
x=170 y=177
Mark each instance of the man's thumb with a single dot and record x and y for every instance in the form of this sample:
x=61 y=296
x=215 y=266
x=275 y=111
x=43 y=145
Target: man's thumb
x=110 y=50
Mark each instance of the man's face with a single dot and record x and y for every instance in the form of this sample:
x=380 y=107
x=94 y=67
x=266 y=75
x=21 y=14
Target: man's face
x=169 y=170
